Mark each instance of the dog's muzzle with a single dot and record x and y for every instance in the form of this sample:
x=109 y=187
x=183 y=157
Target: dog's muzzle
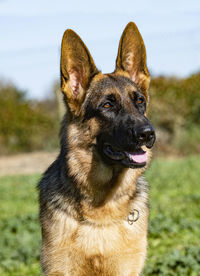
x=133 y=154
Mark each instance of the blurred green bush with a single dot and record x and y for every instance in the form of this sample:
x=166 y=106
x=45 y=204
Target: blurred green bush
x=175 y=112
x=29 y=125
x=26 y=125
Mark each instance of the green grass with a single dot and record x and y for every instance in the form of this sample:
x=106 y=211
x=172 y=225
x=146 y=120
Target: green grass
x=174 y=232
x=19 y=227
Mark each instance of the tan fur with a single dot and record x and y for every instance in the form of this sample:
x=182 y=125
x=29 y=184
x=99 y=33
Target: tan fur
x=103 y=243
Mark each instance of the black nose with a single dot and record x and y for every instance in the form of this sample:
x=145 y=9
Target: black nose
x=145 y=135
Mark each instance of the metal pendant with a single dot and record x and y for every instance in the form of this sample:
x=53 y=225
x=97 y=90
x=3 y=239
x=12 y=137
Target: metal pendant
x=133 y=216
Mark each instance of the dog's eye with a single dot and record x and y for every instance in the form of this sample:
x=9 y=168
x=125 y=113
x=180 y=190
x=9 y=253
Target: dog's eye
x=107 y=105
x=140 y=100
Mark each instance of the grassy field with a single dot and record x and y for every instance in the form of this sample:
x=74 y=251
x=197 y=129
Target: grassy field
x=174 y=232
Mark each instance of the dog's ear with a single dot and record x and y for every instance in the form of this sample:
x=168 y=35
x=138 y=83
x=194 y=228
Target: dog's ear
x=77 y=69
x=131 y=57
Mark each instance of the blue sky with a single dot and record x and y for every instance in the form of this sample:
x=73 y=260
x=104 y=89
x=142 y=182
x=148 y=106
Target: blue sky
x=31 y=33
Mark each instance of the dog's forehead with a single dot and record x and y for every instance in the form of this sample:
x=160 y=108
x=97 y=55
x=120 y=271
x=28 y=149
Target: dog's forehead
x=113 y=83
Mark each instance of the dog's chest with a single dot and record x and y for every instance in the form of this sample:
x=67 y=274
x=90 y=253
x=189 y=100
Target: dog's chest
x=122 y=235
x=88 y=248
x=108 y=250
x=98 y=240
x=104 y=239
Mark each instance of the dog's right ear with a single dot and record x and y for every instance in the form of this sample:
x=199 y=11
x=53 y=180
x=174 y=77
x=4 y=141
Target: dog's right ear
x=77 y=69
x=131 y=57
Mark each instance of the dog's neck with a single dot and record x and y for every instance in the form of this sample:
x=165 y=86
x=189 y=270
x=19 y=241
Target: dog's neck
x=111 y=196
x=98 y=182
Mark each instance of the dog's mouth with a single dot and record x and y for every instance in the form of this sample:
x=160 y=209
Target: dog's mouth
x=133 y=159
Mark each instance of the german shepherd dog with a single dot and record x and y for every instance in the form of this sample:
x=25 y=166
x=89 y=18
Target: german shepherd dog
x=93 y=201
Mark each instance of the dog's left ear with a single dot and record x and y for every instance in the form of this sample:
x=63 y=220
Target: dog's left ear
x=131 y=57
x=77 y=69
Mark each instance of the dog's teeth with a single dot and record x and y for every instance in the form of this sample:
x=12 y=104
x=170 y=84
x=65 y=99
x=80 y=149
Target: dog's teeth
x=144 y=148
x=130 y=156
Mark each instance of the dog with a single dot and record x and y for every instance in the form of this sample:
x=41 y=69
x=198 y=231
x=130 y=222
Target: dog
x=93 y=200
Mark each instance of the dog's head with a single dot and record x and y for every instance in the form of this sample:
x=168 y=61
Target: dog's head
x=111 y=107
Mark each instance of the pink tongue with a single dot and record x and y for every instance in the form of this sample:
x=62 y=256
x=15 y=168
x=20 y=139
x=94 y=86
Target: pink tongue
x=139 y=158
